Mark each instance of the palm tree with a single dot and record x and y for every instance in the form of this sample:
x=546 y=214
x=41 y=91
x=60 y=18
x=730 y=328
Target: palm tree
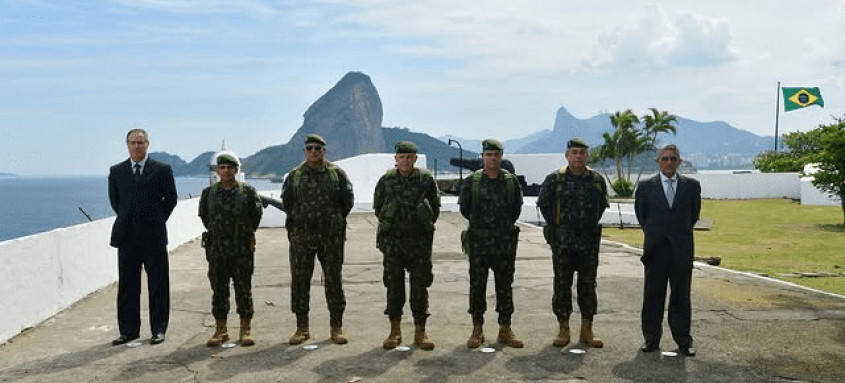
x=609 y=150
x=627 y=140
x=659 y=122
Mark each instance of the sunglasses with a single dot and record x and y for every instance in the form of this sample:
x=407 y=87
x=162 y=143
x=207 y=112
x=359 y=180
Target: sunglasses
x=313 y=147
x=669 y=159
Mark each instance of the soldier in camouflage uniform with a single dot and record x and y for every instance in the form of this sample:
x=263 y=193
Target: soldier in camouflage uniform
x=572 y=200
x=230 y=211
x=491 y=199
x=407 y=203
x=317 y=197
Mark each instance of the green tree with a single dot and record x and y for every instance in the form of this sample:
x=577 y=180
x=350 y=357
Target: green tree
x=831 y=169
x=801 y=148
x=623 y=144
x=628 y=141
x=659 y=122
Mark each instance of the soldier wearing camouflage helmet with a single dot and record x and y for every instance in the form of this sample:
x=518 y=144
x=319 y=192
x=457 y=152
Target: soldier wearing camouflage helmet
x=317 y=197
x=230 y=211
x=491 y=199
x=407 y=204
x=572 y=200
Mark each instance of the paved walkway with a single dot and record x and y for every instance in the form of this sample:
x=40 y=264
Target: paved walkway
x=747 y=329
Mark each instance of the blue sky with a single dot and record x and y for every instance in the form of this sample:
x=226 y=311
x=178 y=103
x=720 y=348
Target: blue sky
x=76 y=75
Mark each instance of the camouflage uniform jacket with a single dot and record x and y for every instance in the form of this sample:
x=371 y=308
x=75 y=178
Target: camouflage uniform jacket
x=317 y=200
x=572 y=203
x=495 y=208
x=230 y=216
x=406 y=205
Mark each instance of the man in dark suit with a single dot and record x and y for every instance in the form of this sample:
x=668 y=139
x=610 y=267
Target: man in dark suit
x=667 y=207
x=143 y=194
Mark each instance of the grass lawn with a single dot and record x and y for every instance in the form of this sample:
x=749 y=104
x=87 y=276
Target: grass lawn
x=772 y=236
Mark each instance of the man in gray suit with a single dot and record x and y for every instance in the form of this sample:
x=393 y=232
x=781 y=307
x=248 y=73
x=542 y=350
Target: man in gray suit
x=667 y=207
x=143 y=194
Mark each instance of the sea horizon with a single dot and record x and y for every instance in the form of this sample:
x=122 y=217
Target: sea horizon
x=38 y=203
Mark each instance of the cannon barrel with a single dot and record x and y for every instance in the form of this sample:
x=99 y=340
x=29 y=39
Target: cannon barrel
x=271 y=201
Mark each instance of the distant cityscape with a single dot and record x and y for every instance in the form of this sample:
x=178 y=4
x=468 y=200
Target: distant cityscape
x=720 y=160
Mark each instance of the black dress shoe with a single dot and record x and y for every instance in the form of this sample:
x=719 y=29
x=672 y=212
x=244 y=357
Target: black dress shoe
x=649 y=347
x=157 y=338
x=123 y=339
x=688 y=351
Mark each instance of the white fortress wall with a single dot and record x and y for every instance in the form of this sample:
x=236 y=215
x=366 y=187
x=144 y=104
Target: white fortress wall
x=44 y=273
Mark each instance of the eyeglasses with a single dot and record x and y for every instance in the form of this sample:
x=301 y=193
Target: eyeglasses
x=313 y=147
x=669 y=159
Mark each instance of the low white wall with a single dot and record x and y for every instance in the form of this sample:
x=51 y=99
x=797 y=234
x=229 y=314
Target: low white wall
x=44 y=273
x=184 y=223
x=748 y=185
x=810 y=195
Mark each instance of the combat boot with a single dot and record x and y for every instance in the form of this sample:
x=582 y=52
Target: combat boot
x=507 y=337
x=394 y=339
x=246 y=332
x=563 y=335
x=221 y=334
x=338 y=336
x=301 y=334
x=587 y=336
x=421 y=339
x=477 y=338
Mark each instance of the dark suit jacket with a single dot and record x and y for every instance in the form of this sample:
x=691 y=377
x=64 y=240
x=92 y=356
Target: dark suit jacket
x=665 y=228
x=142 y=208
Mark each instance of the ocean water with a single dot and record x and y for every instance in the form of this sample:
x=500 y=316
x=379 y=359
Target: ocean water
x=31 y=205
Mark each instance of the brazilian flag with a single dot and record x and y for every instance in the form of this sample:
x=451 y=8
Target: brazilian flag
x=797 y=98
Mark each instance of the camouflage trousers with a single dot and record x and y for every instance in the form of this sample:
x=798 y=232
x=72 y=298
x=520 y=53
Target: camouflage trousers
x=499 y=255
x=328 y=249
x=578 y=252
x=413 y=254
x=237 y=265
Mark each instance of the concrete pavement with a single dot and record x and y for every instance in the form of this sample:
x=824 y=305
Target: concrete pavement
x=747 y=329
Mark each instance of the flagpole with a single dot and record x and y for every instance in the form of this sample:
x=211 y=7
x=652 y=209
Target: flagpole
x=777 y=117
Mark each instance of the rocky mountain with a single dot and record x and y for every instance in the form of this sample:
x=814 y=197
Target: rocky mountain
x=715 y=137
x=349 y=117
x=198 y=166
x=173 y=160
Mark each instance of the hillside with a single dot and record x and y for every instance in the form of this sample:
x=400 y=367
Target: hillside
x=714 y=137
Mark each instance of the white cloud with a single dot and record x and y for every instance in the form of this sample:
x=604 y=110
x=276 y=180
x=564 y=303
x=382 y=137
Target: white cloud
x=657 y=40
x=701 y=41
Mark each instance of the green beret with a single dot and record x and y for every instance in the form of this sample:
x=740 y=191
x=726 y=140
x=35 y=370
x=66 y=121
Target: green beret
x=405 y=147
x=315 y=138
x=227 y=158
x=576 y=143
x=492 y=144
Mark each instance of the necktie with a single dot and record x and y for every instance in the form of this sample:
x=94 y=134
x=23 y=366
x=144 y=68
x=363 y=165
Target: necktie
x=137 y=172
x=670 y=192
